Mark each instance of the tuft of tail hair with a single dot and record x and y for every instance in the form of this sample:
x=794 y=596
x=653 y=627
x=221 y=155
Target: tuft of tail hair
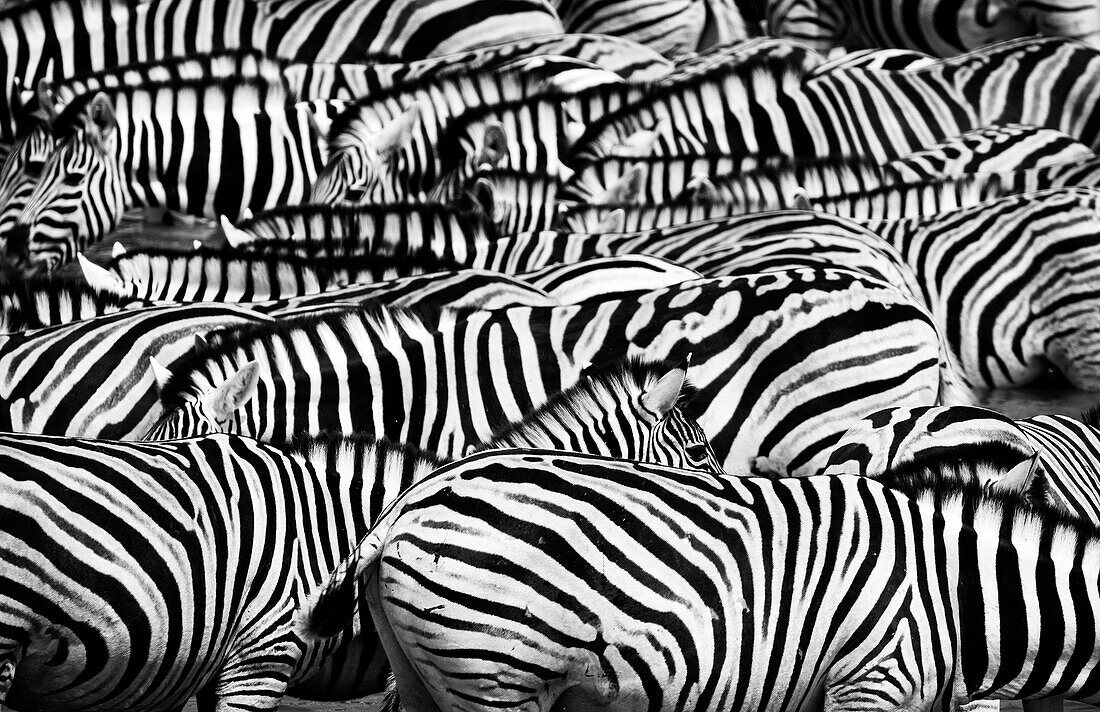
x=333 y=607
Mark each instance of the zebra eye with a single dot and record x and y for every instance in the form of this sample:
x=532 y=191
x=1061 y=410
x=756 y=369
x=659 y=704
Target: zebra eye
x=354 y=194
x=697 y=452
x=33 y=169
x=73 y=179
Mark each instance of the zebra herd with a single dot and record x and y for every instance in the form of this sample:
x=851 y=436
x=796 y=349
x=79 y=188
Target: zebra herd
x=548 y=356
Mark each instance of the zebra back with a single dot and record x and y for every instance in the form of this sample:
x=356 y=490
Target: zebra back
x=512 y=358
x=39 y=303
x=628 y=59
x=228 y=275
x=361 y=30
x=1012 y=281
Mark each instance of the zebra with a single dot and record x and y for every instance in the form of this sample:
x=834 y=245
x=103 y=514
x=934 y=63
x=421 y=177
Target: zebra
x=1017 y=299
x=631 y=393
x=732 y=245
x=606 y=277
x=927 y=26
x=36 y=304
x=67 y=38
x=645 y=587
x=324 y=501
x=220 y=275
x=109 y=157
x=235 y=276
x=34 y=140
x=760 y=345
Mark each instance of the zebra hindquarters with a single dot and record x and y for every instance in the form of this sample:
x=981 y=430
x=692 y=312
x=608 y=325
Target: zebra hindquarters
x=465 y=628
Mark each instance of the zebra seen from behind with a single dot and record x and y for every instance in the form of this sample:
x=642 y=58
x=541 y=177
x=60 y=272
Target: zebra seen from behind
x=630 y=587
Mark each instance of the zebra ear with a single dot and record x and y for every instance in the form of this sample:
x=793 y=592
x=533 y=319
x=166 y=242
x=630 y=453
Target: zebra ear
x=613 y=221
x=700 y=189
x=1019 y=477
x=235 y=236
x=237 y=390
x=398 y=133
x=99 y=278
x=482 y=194
x=800 y=200
x=102 y=115
x=661 y=399
x=627 y=188
x=494 y=145
x=160 y=374
x=47 y=101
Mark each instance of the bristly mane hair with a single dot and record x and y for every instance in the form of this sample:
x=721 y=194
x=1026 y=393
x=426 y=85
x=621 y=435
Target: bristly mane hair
x=349 y=213
x=357 y=444
x=627 y=374
x=1091 y=416
x=323 y=264
x=19 y=300
x=941 y=484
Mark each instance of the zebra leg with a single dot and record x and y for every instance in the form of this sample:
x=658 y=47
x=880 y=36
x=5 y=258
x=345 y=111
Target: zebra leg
x=899 y=675
x=1052 y=705
x=257 y=671
x=411 y=695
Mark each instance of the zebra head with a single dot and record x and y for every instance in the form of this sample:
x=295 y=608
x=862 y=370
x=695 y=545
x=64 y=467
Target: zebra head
x=79 y=196
x=33 y=146
x=362 y=161
x=212 y=412
x=632 y=411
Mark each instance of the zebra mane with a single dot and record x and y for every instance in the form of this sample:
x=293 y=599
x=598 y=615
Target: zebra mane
x=72 y=118
x=323 y=264
x=1091 y=416
x=330 y=448
x=390 y=323
x=23 y=302
x=942 y=482
x=857 y=172
x=593 y=392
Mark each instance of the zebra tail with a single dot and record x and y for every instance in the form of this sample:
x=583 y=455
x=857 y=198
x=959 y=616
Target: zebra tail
x=333 y=607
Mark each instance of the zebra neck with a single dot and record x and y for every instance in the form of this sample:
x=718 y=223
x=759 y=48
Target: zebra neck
x=1028 y=593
